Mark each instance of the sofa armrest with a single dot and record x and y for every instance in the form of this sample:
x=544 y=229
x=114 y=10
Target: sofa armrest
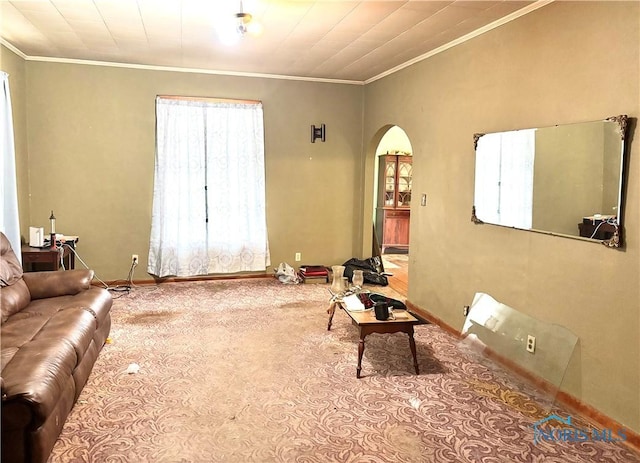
x=62 y=283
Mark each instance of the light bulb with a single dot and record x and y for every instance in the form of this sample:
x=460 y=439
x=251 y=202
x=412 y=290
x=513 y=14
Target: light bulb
x=243 y=22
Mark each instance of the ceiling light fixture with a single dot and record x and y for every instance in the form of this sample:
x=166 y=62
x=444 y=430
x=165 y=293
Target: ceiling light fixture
x=242 y=21
x=234 y=27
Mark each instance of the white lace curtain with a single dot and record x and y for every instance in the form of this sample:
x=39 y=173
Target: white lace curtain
x=209 y=191
x=504 y=178
x=9 y=219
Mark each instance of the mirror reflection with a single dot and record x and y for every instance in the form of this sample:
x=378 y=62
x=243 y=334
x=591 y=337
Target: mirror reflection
x=565 y=179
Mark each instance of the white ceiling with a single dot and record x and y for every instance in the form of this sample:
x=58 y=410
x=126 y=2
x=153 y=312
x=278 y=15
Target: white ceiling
x=318 y=39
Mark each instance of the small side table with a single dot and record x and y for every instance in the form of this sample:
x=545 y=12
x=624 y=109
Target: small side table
x=34 y=258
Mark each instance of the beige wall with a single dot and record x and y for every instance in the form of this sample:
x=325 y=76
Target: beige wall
x=566 y=62
x=15 y=67
x=91 y=149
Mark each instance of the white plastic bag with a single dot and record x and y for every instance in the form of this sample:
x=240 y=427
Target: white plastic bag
x=286 y=274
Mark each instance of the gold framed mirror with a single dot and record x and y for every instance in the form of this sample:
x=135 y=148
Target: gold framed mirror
x=563 y=180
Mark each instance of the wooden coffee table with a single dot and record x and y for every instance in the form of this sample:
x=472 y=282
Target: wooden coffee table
x=367 y=324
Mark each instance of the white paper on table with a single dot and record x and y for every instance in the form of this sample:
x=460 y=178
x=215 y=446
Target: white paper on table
x=353 y=303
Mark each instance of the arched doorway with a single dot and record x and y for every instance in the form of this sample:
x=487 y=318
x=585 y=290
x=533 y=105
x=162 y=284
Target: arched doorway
x=391 y=204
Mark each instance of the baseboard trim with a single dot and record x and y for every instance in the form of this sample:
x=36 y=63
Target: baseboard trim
x=241 y=276
x=157 y=281
x=598 y=418
x=432 y=318
x=572 y=403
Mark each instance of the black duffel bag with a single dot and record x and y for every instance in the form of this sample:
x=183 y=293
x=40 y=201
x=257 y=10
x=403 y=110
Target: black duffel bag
x=371 y=270
x=395 y=303
x=369 y=299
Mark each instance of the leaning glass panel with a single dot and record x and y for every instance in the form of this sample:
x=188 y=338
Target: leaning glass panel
x=506 y=341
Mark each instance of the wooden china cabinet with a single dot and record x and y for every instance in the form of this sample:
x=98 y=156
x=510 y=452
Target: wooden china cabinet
x=394 y=201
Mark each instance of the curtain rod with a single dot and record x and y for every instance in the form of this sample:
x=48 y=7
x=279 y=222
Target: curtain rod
x=211 y=99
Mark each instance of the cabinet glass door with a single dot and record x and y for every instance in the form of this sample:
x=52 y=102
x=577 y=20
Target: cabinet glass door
x=404 y=183
x=390 y=182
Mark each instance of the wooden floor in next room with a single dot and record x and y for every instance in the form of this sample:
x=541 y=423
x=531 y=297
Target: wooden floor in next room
x=398 y=266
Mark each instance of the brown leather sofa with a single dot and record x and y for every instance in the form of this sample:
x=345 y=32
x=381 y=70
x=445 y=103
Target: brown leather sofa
x=54 y=325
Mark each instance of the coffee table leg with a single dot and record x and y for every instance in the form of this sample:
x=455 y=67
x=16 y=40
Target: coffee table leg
x=360 y=352
x=412 y=345
x=331 y=310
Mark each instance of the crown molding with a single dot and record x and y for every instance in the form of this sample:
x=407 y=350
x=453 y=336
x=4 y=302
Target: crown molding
x=150 y=67
x=13 y=49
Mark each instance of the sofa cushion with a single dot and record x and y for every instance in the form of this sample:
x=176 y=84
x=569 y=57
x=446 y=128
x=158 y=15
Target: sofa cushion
x=13 y=299
x=96 y=301
x=74 y=326
x=18 y=331
x=7 y=355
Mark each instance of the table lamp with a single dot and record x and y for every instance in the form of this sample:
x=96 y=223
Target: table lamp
x=52 y=219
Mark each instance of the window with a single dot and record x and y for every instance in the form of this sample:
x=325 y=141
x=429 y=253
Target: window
x=209 y=189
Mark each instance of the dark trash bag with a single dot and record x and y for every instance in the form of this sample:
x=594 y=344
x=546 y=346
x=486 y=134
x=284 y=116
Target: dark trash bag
x=371 y=270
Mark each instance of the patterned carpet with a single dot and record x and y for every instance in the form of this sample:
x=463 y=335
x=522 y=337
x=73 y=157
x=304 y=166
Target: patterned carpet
x=245 y=371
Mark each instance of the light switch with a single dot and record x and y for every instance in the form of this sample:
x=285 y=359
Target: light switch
x=423 y=200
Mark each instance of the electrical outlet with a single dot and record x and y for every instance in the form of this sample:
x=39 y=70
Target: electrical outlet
x=134 y=259
x=298 y=256
x=531 y=344
x=465 y=310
